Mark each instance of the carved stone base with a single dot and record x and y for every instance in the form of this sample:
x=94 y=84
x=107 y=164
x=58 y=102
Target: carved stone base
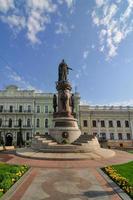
x=65 y=130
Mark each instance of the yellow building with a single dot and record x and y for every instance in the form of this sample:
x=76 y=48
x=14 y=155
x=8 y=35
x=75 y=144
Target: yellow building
x=113 y=125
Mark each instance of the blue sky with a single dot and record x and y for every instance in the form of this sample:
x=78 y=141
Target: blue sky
x=95 y=37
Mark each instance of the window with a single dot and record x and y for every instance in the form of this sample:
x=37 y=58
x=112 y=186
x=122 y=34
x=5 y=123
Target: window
x=110 y=123
x=38 y=123
x=10 y=123
x=20 y=122
x=27 y=136
x=38 y=109
x=128 y=136
x=29 y=108
x=46 y=123
x=103 y=136
x=20 y=108
x=1 y=108
x=112 y=136
x=0 y=122
x=102 y=123
x=11 y=109
x=118 y=124
x=94 y=123
x=126 y=124
x=46 y=109
x=85 y=123
x=120 y=136
x=28 y=123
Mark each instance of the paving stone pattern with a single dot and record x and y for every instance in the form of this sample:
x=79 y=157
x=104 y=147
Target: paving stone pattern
x=65 y=180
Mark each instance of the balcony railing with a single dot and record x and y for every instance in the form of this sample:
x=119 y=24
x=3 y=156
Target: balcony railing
x=15 y=126
x=16 y=111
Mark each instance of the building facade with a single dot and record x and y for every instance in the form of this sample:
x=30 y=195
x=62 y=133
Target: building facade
x=113 y=125
x=24 y=113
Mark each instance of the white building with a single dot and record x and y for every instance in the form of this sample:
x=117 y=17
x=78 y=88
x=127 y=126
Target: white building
x=25 y=112
x=113 y=125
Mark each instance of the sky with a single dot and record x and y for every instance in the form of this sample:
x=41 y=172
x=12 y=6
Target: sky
x=95 y=37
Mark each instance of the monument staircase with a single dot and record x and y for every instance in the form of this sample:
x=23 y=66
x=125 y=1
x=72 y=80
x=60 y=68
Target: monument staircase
x=45 y=143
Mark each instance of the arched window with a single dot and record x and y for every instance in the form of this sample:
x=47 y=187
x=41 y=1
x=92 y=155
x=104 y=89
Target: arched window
x=28 y=123
x=27 y=136
x=46 y=109
x=10 y=122
x=38 y=123
x=38 y=109
x=29 y=108
x=46 y=123
x=0 y=122
x=20 y=122
x=20 y=108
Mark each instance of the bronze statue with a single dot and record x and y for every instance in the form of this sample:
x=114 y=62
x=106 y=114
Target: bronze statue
x=54 y=102
x=64 y=98
x=63 y=71
x=72 y=102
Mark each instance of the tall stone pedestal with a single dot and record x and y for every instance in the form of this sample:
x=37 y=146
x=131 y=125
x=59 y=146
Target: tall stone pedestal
x=65 y=130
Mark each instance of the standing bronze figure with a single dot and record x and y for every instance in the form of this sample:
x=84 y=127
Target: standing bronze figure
x=72 y=102
x=63 y=71
x=64 y=99
x=54 y=102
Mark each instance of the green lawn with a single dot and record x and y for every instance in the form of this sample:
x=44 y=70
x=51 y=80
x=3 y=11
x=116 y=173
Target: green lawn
x=125 y=170
x=130 y=151
x=9 y=174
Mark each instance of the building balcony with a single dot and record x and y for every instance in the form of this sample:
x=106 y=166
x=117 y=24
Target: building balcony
x=15 y=127
x=16 y=112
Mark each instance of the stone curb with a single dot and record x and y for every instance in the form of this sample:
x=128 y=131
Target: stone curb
x=117 y=189
x=54 y=158
x=10 y=192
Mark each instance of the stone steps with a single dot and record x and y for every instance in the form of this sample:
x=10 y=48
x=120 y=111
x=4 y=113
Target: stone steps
x=83 y=139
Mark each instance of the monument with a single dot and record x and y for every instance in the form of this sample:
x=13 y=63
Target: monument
x=65 y=128
x=65 y=136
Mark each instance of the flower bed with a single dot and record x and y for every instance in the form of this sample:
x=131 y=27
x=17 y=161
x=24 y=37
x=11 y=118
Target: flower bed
x=9 y=174
x=122 y=181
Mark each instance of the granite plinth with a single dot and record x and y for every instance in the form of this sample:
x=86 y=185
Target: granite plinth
x=65 y=130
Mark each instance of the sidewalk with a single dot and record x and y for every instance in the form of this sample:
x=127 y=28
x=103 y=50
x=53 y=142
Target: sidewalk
x=65 y=180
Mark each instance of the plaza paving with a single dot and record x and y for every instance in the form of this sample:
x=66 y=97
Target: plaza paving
x=64 y=180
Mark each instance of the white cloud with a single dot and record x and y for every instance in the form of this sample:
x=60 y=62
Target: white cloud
x=69 y=3
x=33 y=16
x=85 y=54
x=61 y=28
x=38 y=17
x=14 y=21
x=122 y=103
x=99 y=3
x=114 y=24
x=14 y=77
x=5 y=5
